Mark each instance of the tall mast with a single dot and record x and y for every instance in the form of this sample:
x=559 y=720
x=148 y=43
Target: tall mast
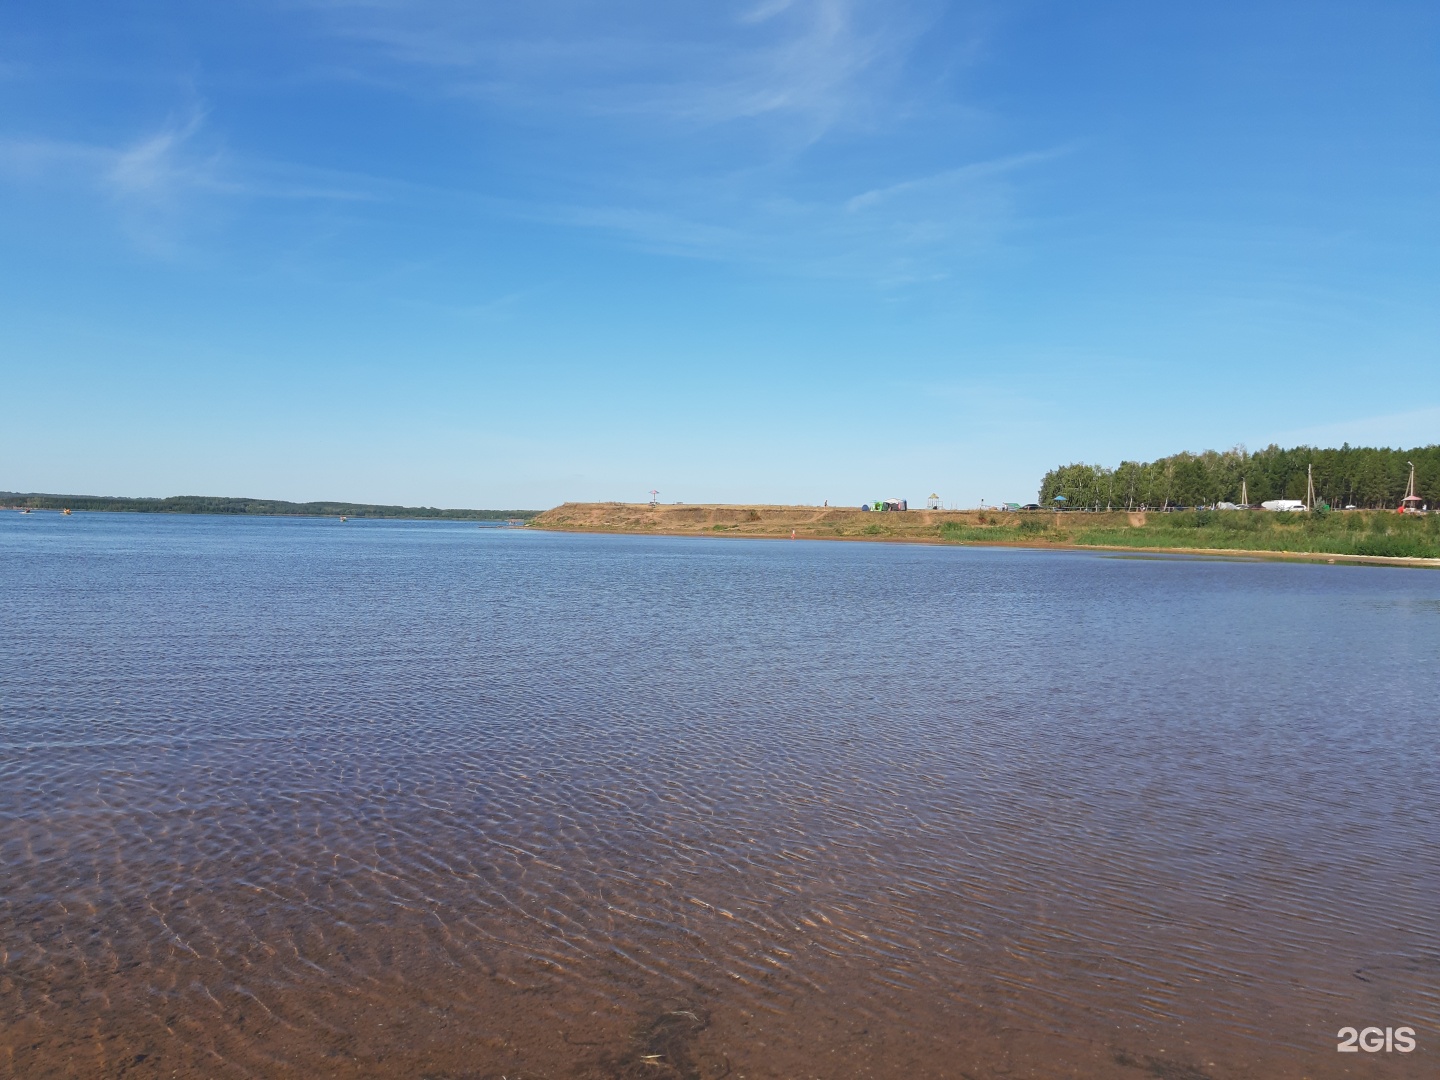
x=1410 y=499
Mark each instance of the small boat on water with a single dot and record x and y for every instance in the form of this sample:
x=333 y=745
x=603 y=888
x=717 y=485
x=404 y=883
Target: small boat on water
x=66 y=511
x=343 y=519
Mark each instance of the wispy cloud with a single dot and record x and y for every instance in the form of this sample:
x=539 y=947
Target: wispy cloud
x=36 y=159
x=949 y=179
x=700 y=131
x=653 y=229
x=818 y=62
x=156 y=165
x=160 y=180
x=908 y=245
x=764 y=11
x=707 y=132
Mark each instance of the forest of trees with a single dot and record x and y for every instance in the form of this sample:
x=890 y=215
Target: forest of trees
x=1351 y=475
x=212 y=504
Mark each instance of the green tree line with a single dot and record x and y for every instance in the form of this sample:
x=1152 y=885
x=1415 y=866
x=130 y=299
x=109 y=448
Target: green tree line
x=1363 y=476
x=211 y=504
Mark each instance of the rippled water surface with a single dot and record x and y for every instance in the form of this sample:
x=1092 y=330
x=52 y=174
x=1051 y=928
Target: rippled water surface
x=297 y=798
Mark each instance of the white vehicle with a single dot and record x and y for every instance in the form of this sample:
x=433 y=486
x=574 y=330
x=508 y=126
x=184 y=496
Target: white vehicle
x=1283 y=505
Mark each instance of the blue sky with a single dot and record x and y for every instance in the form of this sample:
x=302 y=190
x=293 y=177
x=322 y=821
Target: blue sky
x=457 y=253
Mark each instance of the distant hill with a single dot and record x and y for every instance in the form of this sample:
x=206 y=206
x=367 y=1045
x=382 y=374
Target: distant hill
x=211 y=504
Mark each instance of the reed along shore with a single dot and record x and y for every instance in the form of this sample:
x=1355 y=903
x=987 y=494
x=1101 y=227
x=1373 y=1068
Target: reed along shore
x=1354 y=535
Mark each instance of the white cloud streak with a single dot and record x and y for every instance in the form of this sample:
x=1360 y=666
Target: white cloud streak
x=950 y=180
x=156 y=165
x=690 y=132
x=159 y=182
x=178 y=159
x=656 y=96
x=820 y=63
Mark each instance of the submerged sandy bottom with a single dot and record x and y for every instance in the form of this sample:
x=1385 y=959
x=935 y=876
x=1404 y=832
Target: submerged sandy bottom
x=427 y=802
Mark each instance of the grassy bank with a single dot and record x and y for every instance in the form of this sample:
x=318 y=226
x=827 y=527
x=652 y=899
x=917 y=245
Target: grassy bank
x=1373 y=533
x=1377 y=533
x=1354 y=533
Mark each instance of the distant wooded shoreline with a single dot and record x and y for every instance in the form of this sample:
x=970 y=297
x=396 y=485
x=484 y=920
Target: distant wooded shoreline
x=209 y=504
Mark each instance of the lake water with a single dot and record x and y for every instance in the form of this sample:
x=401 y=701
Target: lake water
x=381 y=799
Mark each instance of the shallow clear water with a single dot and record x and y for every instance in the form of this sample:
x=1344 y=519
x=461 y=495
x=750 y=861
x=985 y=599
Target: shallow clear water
x=284 y=797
